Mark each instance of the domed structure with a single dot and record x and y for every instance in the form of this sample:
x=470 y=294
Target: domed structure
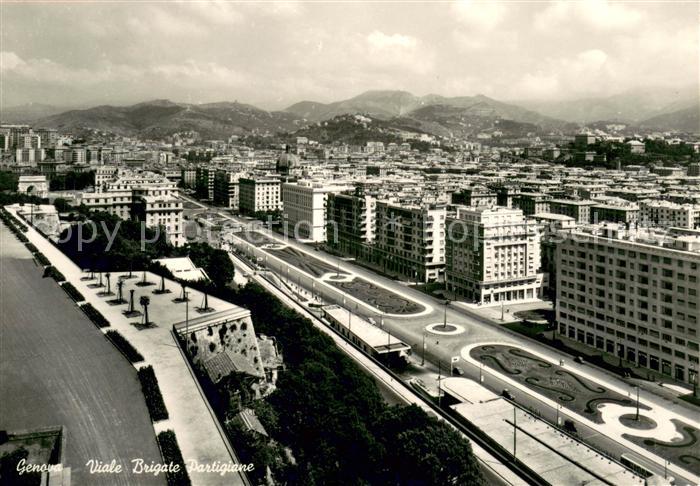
x=287 y=161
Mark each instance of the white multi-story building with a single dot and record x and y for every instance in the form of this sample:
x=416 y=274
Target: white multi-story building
x=493 y=255
x=304 y=208
x=632 y=294
x=226 y=188
x=352 y=223
x=145 y=196
x=667 y=214
x=259 y=194
x=411 y=240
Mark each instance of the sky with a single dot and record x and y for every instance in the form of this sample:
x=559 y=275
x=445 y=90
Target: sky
x=273 y=54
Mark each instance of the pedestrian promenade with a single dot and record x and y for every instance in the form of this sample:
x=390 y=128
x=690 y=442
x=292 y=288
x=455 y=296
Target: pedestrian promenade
x=198 y=433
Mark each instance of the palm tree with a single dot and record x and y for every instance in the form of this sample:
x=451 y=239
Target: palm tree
x=120 y=286
x=145 y=301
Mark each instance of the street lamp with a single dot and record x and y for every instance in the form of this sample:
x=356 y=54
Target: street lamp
x=444 y=323
x=422 y=361
x=636 y=417
x=694 y=380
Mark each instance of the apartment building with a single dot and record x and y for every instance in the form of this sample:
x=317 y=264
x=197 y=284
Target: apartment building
x=204 y=182
x=304 y=208
x=258 y=194
x=579 y=210
x=410 y=240
x=632 y=294
x=226 y=189
x=493 y=255
x=475 y=196
x=141 y=195
x=351 y=223
x=532 y=203
x=628 y=214
x=666 y=214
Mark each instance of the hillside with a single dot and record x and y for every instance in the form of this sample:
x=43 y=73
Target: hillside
x=432 y=113
x=162 y=117
x=628 y=107
x=686 y=120
x=352 y=130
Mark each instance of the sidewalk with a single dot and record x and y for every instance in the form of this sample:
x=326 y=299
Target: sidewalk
x=190 y=417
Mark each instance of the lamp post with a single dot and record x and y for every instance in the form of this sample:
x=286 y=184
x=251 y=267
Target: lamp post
x=636 y=417
x=515 y=430
x=444 y=322
x=422 y=361
x=187 y=317
x=694 y=380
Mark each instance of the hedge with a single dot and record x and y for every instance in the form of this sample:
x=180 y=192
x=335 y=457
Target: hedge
x=42 y=258
x=73 y=292
x=151 y=392
x=31 y=247
x=172 y=455
x=97 y=318
x=51 y=271
x=122 y=344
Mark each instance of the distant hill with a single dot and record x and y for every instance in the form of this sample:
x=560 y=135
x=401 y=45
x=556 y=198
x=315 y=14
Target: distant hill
x=28 y=113
x=686 y=120
x=629 y=107
x=163 y=117
x=353 y=130
x=433 y=113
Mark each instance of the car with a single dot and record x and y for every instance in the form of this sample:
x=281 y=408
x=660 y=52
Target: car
x=457 y=371
x=578 y=359
x=507 y=394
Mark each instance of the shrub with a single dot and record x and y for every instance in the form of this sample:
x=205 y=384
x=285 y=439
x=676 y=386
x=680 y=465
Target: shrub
x=31 y=247
x=22 y=238
x=51 y=271
x=96 y=317
x=41 y=258
x=151 y=392
x=73 y=292
x=121 y=343
x=171 y=454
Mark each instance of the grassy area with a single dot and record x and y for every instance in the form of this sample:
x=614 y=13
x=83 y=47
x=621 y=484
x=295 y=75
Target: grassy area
x=527 y=329
x=691 y=399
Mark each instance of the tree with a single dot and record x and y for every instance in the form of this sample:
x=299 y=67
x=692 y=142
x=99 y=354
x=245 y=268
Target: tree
x=62 y=205
x=8 y=469
x=215 y=262
x=422 y=450
x=145 y=302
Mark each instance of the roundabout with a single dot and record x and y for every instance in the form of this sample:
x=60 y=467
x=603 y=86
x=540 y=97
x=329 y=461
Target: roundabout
x=444 y=330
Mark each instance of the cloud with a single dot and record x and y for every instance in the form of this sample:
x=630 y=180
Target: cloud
x=380 y=40
x=480 y=15
x=595 y=14
x=10 y=61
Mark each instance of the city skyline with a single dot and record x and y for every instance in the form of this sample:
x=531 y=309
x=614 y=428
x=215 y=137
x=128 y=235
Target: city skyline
x=276 y=54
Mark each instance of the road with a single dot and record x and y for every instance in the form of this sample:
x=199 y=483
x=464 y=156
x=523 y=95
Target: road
x=441 y=348
x=57 y=368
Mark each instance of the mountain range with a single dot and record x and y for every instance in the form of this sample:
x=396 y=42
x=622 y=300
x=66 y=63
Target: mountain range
x=435 y=114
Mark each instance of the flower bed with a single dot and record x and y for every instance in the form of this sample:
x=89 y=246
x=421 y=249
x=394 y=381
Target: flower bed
x=123 y=345
x=96 y=317
x=172 y=455
x=151 y=392
x=73 y=292
x=41 y=258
